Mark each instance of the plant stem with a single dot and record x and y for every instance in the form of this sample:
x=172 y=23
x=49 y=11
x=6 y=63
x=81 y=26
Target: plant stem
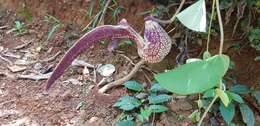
x=210 y=23
x=124 y=79
x=220 y=27
x=178 y=10
x=172 y=18
x=207 y=110
x=220 y=52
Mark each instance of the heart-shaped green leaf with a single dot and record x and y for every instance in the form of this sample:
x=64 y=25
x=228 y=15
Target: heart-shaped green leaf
x=157 y=108
x=159 y=98
x=256 y=94
x=247 y=114
x=240 y=89
x=227 y=112
x=134 y=85
x=125 y=123
x=235 y=97
x=127 y=103
x=194 y=17
x=195 y=77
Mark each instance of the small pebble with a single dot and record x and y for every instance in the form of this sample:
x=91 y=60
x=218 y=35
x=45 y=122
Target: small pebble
x=37 y=66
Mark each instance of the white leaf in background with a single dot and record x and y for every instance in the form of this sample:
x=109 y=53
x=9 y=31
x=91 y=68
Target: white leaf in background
x=194 y=17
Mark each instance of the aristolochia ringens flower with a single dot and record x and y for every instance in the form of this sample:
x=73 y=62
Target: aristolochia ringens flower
x=155 y=45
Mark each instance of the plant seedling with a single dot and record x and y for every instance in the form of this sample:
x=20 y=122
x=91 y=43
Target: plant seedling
x=142 y=104
x=18 y=28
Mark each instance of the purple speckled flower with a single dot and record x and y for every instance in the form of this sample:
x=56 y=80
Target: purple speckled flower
x=153 y=48
x=157 y=43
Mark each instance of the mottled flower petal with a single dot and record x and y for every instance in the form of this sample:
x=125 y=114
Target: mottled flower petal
x=157 y=43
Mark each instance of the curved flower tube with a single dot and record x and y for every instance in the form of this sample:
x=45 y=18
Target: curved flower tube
x=153 y=48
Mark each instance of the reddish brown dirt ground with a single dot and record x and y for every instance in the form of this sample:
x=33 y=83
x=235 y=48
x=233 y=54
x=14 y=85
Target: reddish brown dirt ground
x=25 y=101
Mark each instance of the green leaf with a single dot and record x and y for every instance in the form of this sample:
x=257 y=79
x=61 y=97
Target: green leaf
x=158 y=108
x=144 y=114
x=194 y=17
x=209 y=93
x=117 y=11
x=206 y=55
x=51 y=32
x=89 y=12
x=227 y=112
x=195 y=116
x=240 y=89
x=157 y=88
x=247 y=114
x=18 y=25
x=254 y=38
x=256 y=94
x=127 y=103
x=223 y=96
x=125 y=123
x=134 y=85
x=232 y=65
x=159 y=99
x=235 y=97
x=195 y=77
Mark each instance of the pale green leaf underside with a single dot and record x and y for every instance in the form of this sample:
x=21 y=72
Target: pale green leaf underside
x=195 y=77
x=194 y=17
x=247 y=114
x=223 y=97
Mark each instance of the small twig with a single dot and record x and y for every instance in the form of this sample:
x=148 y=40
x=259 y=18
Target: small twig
x=23 y=45
x=104 y=11
x=171 y=30
x=240 y=14
x=153 y=119
x=51 y=58
x=35 y=77
x=8 y=75
x=95 y=74
x=11 y=55
x=127 y=58
x=81 y=63
x=25 y=64
x=131 y=61
x=150 y=70
x=207 y=110
x=102 y=82
x=87 y=26
x=147 y=78
x=173 y=17
x=5 y=102
x=210 y=24
x=122 y=80
x=4 y=27
x=175 y=4
x=6 y=60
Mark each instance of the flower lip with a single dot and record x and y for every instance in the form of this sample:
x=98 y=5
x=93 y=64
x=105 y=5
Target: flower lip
x=157 y=41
